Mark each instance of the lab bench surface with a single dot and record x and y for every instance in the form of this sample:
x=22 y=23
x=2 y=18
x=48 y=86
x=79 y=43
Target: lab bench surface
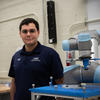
x=4 y=92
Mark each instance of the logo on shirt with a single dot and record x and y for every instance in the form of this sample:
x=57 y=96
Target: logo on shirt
x=35 y=59
x=19 y=59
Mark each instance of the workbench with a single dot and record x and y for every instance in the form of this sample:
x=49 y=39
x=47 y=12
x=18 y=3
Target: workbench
x=4 y=92
x=83 y=93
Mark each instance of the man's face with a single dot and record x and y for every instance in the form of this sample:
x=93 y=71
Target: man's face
x=29 y=34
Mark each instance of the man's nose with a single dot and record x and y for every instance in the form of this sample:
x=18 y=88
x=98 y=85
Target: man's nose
x=28 y=33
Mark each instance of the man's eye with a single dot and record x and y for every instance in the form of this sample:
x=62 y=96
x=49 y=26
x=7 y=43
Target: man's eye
x=32 y=30
x=24 y=31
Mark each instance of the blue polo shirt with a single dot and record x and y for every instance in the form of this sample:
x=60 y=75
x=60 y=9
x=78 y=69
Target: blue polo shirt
x=34 y=67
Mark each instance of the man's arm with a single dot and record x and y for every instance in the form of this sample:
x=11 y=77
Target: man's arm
x=12 y=89
x=59 y=81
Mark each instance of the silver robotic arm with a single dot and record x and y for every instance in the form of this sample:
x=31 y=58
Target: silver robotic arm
x=90 y=71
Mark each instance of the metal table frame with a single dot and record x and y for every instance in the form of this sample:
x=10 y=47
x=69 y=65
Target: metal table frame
x=33 y=96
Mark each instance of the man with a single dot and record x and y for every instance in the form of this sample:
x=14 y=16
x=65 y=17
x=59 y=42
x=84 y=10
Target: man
x=33 y=64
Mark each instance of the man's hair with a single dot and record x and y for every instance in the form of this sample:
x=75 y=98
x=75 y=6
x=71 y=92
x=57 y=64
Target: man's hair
x=26 y=21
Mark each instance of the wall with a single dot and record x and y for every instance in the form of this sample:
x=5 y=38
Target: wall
x=93 y=14
x=93 y=17
x=70 y=18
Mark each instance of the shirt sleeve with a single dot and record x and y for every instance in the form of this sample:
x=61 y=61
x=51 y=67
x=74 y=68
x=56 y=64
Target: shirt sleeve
x=56 y=65
x=11 y=70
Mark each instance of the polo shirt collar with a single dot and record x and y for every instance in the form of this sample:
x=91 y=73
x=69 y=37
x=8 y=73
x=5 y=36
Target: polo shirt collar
x=35 y=51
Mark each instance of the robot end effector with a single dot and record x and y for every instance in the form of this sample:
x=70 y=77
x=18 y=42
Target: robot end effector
x=82 y=43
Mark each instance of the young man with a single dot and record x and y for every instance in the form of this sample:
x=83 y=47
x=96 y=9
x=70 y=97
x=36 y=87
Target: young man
x=33 y=64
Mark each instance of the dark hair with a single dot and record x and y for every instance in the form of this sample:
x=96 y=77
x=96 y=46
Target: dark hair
x=26 y=21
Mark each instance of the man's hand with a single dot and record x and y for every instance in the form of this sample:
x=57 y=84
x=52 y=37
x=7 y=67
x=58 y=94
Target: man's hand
x=60 y=81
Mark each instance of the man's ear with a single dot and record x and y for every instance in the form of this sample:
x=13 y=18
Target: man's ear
x=39 y=32
x=20 y=33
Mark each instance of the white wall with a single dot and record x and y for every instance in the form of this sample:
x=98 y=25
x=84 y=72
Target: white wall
x=70 y=18
x=93 y=17
x=93 y=13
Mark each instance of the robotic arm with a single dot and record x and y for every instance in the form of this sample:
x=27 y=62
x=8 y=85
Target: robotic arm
x=83 y=44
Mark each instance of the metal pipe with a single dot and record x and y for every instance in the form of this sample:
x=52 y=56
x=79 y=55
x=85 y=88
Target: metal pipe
x=76 y=74
x=94 y=48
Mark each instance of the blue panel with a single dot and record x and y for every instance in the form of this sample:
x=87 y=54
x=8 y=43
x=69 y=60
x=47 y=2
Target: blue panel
x=65 y=45
x=73 y=92
x=68 y=68
x=84 y=37
x=97 y=75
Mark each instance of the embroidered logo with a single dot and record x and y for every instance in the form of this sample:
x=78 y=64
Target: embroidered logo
x=19 y=59
x=35 y=59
